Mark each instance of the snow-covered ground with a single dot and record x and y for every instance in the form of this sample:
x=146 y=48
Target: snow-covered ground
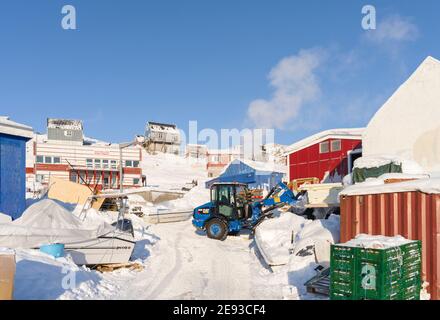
x=179 y=263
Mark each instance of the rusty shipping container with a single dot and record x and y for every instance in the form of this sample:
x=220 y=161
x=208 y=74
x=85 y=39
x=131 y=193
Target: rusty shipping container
x=414 y=215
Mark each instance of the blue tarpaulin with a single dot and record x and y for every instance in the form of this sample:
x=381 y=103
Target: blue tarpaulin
x=244 y=172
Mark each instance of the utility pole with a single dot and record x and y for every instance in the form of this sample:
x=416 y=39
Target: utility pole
x=121 y=174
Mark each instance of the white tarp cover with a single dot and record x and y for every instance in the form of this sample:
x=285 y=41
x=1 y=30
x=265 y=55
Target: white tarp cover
x=47 y=222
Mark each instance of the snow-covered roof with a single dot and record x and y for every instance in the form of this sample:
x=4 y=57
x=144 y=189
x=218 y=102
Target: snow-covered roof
x=162 y=127
x=378 y=186
x=349 y=133
x=15 y=129
x=64 y=124
x=259 y=166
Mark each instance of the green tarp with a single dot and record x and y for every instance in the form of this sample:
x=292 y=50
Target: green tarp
x=362 y=174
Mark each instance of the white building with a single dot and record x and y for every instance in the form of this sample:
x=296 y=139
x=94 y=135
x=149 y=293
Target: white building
x=196 y=151
x=162 y=137
x=408 y=124
x=89 y=162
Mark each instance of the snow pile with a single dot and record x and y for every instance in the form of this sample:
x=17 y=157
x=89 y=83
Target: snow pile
x=194 y=198
x=5 y=218
x=278 y=238
x=376 y=242
x=298 y=246
x=274 y=237
x=42 y=277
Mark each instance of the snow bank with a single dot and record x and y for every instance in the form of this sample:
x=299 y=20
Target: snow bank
x=278 y=238
x=376 y=242
x=5 y=218
x=377 y=186
x=274 y=237
x=194 y=198
x=321 y=234
x=298 y=246
x=42 y=277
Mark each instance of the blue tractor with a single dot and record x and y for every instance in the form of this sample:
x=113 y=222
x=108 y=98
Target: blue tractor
x=231 y=209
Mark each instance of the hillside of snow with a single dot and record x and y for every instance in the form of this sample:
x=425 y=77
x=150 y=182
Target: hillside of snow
x=168 y=171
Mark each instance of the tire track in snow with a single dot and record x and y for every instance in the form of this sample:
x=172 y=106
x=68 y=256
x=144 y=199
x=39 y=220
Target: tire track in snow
x=165 y=282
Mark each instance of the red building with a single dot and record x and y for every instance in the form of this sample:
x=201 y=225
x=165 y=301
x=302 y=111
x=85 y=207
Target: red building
x=328 y=155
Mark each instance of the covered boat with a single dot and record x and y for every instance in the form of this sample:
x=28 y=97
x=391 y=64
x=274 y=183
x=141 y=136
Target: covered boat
x=47 y=222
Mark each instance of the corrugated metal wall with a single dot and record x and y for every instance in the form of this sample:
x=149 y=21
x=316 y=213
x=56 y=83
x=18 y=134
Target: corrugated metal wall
x=413 y=215
x=12 y=175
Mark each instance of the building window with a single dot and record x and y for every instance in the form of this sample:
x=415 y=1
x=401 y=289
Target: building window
x=114 y=164
x=56 y=160
x=97 y=164
x=39 y=178
x=336 y=145
x=135 y=164
x=48 y=160
x=89 y=163
x=136 y=181
x=40 y=159
x=73 y=177
x=105 y=164
x=324 y=147
x=128 y=163
x=68 y=133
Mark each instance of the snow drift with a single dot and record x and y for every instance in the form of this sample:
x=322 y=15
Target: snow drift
x=280 y=238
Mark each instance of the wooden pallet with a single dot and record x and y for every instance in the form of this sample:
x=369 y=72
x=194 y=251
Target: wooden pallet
x=319 y=284
x=112 y=267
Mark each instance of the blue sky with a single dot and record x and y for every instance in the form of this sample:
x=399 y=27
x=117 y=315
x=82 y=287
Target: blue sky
x=209 y=60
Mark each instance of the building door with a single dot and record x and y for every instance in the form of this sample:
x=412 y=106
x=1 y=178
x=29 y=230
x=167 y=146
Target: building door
x=106 y=181
x=352 y=156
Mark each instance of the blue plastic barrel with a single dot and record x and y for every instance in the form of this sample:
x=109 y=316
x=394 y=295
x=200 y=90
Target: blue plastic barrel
x=56 y=250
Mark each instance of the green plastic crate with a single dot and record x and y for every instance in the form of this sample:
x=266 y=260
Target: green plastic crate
x=376 y=274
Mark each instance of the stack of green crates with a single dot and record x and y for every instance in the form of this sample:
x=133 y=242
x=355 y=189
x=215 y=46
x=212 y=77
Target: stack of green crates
x=376 y=274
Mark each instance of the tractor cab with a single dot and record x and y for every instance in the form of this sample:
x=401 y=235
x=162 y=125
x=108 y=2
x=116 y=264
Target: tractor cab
x=230 y=200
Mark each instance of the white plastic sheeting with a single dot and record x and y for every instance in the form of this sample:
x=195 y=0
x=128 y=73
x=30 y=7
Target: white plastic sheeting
x=47 y=222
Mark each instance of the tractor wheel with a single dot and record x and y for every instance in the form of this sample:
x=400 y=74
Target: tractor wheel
x=217 y=229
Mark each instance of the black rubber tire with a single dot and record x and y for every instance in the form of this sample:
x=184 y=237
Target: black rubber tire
x=222 y=235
